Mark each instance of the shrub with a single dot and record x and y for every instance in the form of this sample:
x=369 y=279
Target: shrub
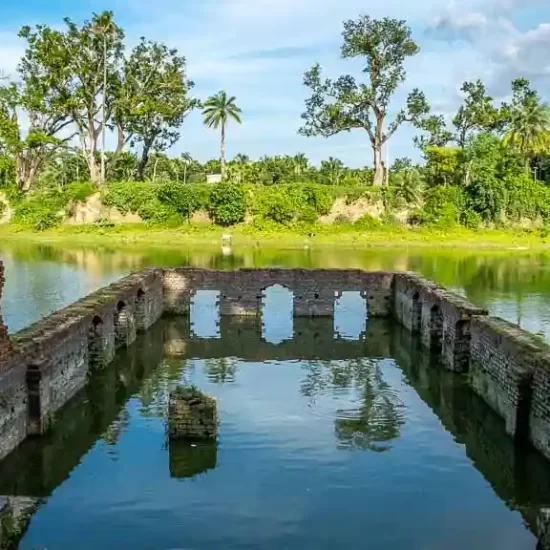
x=367 y=223
x=443 y=206
x=319 y=198
x=130 y=196
x=471 y=219
x=38 y=214
x=183 y=198
x=78 y=192
x=280 y=208
x=228 y=203
x=526 y=198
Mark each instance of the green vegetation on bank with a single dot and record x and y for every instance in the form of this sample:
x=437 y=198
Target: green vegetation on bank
x=486 y=170
x=299 y=236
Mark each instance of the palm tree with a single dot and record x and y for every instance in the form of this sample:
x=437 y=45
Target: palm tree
x=187 y=161
x=529 y=129
x=217 y=111
x=300 y=164
x=334 y=169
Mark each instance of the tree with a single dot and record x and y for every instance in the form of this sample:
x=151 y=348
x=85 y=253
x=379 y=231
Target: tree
x=218 y=110
x=153 y=100
x=300 y=164
x=79 y=70
x=344 y=105
x=528 y=130
x=32 y=148
x=477 y=114
x=334 y=170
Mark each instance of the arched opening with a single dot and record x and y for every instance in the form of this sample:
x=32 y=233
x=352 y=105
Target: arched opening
x=121 y=325
x=436 y=328
x=141 y=310
x=95 y=343
x=205 y=314
x=350 y=315
x=416 y=322
x=277 y=314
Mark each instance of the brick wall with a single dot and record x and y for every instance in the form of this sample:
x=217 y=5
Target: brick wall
x=441 y=318
x=314 y=291
x=5 y=344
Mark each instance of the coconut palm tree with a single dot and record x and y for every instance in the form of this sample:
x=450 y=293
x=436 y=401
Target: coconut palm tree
x=217 y=112
x=529 y=129
x=300 y=164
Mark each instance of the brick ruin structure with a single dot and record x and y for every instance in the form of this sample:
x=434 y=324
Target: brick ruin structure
x=5 y=344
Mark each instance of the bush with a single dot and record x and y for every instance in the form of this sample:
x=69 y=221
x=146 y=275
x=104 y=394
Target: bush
x=318 y=198
x=526 y=198
x=79 y=192
x=227 y=204
x=471 y=219
x=38 y=214
x=281 y=208
x=443 y=206
x=367 y=223
x=183 y=198
x=130 y=197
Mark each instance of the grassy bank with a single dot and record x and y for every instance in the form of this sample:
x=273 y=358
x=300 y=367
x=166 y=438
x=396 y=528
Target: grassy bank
x=390 y=236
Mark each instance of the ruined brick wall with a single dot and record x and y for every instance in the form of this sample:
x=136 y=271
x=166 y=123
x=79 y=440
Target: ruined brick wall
x=503 y=360
x=5 y=344
x=442 y=318
x=314 y=291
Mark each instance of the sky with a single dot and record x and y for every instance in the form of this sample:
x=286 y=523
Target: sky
x=258 y=50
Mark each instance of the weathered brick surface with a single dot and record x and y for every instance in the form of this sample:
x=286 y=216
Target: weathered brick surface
x=314 y=291
x=5 y=343
x=192 y=415
x=503 y=361
x=441 y=317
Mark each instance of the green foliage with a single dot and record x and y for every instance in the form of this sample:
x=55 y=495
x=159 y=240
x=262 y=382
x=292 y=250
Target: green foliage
x=185 y=199
x=228 y=204
x=367 y=223
x=79 y=192
x=443 y=207
x=40 y=213
x=342 y=105
x=442 y=165
x=527 y=199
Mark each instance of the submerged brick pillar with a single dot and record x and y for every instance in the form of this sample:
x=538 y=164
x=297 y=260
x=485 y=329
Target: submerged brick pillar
x=192 y=415
x=5 y=344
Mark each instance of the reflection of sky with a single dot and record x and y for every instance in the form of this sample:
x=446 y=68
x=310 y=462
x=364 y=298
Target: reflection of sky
x=281 y=480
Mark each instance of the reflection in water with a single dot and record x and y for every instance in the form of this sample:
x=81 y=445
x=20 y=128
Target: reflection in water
x=222 y=370
x=279 y=477
x=188 y=460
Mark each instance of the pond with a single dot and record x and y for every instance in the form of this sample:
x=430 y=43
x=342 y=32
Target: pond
x=512 y=284
x=333 y=433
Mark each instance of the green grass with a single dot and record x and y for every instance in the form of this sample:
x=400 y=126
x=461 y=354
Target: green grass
x=281 y=237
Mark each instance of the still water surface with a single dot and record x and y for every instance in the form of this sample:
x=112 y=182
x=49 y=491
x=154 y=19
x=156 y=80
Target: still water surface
x=512 y=284
x=360 y=441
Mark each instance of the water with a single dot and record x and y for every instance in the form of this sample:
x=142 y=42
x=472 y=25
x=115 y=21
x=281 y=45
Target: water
x=333 y=434
x=512 y=284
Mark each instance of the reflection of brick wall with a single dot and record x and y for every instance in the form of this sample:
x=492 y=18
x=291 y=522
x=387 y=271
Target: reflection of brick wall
x=5 y=345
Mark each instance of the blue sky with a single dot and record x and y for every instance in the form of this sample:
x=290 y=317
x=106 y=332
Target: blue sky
x=258 y=50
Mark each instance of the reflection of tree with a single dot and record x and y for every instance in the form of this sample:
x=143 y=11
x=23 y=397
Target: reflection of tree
x=111 y=436
x=221 y=371
x=155 y=390
x=377 y=421
x=380 y=416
